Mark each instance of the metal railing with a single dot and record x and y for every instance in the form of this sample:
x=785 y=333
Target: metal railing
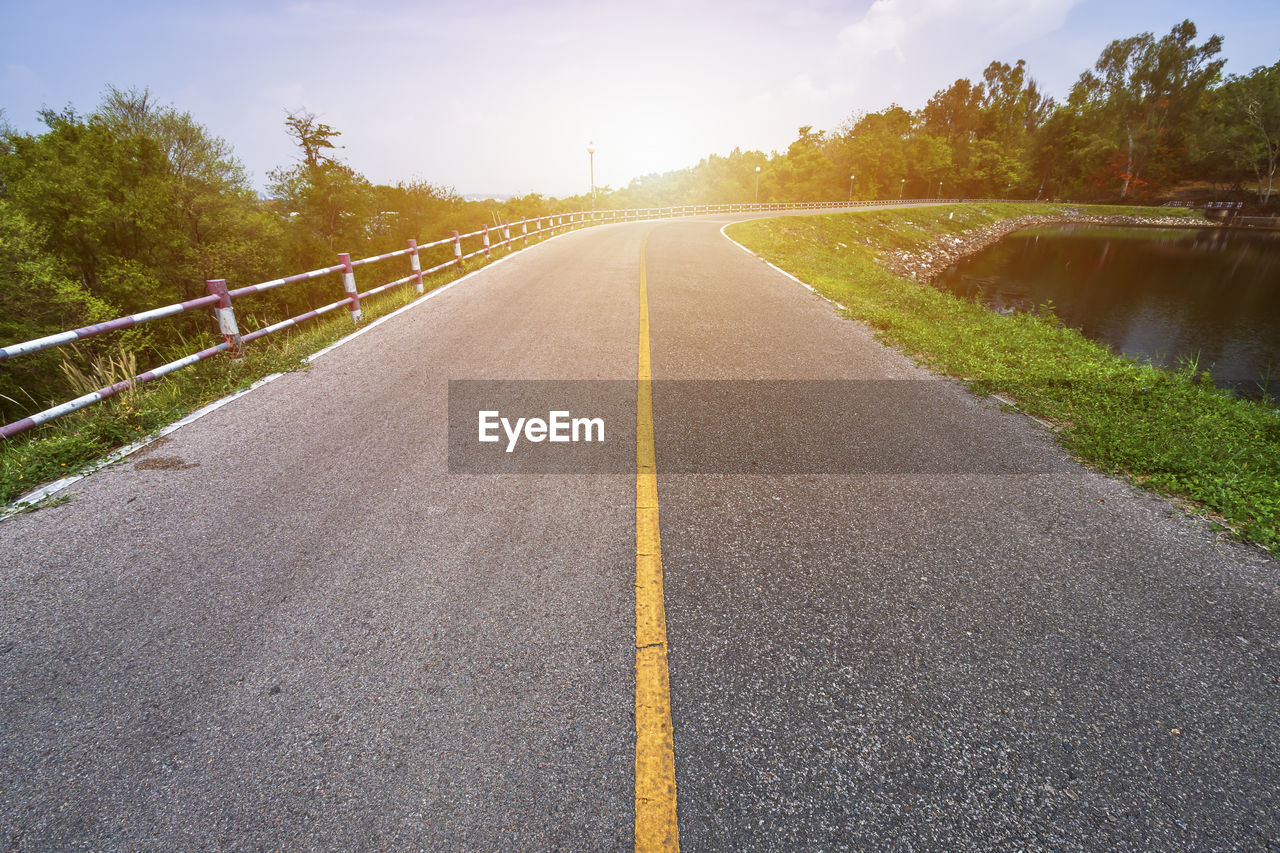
x=221 y=299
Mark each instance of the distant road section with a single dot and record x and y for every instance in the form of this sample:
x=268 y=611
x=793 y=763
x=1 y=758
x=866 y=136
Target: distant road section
x=289 y=626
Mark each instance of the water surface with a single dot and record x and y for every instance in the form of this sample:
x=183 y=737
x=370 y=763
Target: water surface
x=1162 y=295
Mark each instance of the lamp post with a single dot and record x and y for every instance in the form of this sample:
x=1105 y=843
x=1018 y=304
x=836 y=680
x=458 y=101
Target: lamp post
x=591 y=154
x=1006 y=191
x=939 y=189
x=902 y=185
x=851 y=188
x=757 y=184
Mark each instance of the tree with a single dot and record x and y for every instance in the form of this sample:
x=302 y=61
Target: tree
x=1143 y=89
x=806 y=173
x=1247 y=123
x=210 y=195
x=420 y=210
x=1012 y=105
x=954 y=113
x=37 y=298
x=1061 y=153
x=100 y=198
x=326 y=202
x=313 y=136
x=141 y=201
x=929 y=162
x=875 y=148
x=129 y=208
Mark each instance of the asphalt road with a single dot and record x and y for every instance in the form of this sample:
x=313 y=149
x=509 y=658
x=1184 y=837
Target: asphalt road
x=290 y=626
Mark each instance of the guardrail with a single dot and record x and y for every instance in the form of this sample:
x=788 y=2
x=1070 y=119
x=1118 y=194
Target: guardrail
x=221 y=299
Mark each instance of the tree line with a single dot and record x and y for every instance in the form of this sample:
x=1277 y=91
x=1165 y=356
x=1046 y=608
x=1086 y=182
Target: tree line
x=1152 y=116
x=136 y=204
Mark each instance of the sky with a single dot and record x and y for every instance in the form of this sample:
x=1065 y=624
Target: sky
x=490 y=97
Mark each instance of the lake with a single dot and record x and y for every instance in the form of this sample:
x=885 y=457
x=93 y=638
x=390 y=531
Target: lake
x=1161 y=295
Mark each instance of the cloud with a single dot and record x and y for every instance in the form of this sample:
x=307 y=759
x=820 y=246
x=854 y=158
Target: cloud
x=902 y=27
x=801 y=87
x=883 y=28
x=902 y=51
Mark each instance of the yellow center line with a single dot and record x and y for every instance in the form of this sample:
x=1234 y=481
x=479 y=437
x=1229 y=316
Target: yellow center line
x=655 y=747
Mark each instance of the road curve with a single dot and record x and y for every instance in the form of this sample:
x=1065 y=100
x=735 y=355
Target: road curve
x=289 y=626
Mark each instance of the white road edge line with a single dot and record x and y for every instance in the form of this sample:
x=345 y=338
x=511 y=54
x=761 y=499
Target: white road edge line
x=1003 y=401
x=803 y=284
x=33 y=497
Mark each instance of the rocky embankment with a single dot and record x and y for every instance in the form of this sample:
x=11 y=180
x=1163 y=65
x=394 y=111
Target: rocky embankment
x=928 y=262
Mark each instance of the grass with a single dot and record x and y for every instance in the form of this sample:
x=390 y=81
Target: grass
x=78 y=441
x=1167 y=430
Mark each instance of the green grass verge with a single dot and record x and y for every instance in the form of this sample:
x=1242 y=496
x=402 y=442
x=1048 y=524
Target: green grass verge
x=1170 y=431
x=78 y=441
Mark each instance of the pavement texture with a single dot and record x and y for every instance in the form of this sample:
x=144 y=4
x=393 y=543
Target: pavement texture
x=290 y=626
x=1037 y=659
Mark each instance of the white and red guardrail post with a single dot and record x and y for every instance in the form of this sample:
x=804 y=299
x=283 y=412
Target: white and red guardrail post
x=506 y=234
x=349 y=285
x=486 y=242
x=226 y=316
x=457 y=249
x=524 y=231
x=415 y=265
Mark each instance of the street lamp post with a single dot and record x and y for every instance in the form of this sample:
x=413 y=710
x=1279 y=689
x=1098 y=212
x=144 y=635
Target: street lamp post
x=939 y=189
x=591 y=154
x=757 y=184
x=902 y=185
x=851 y=187
x=1006 y=191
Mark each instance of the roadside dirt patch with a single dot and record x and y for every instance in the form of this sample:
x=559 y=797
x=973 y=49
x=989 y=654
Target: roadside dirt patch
x=152 y=447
